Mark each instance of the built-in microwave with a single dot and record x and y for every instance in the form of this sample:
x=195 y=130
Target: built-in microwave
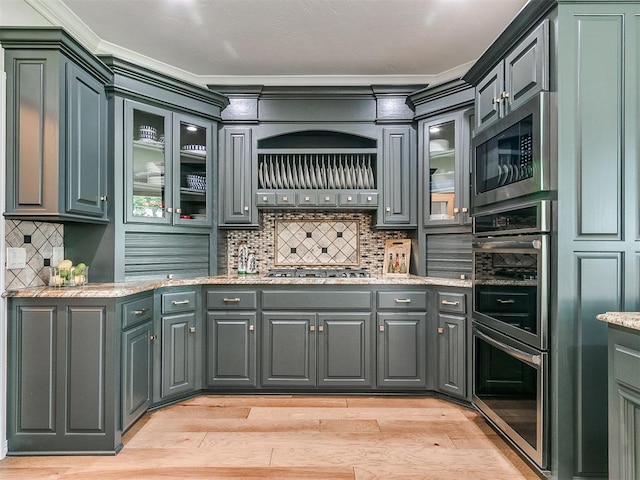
x=514 y=157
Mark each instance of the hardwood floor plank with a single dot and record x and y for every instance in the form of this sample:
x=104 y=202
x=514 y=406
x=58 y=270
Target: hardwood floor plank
x=296 y=437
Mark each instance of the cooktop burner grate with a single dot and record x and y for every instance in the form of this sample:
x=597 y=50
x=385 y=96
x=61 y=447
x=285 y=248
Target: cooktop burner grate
x=317 y=273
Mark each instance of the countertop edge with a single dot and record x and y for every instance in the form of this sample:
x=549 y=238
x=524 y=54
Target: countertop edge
x=623 y=319
x=124 y=289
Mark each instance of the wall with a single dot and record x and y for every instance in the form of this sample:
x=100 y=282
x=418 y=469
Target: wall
x=39 y=240
x=262 y=241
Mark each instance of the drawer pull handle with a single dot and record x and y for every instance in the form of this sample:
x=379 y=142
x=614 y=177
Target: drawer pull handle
x=231 y=300
x=192 y=329
x=179 y=302
x=139 y=312
x=449 y=302
x=402 y=300
x=440 y=330
x=505 y=302
x=251 y=328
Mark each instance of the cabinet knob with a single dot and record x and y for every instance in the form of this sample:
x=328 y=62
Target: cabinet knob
x=312 y=328
x=246 y=209
x=285 y=199
x=252 y=328
x=192 y=329
x=320 y=328
x=178 y=210
x=388 y=209
x=306 y=199
x=349 y=199
x=169 y=210
x=326 y=199
x=504 y=95
x=103 y=198
x=369 y=199
x=440 y=330
x=264 y=199
x=381 y=328
x=465 y=210
x=153 y=338
x=456 y=210
x=495 y=100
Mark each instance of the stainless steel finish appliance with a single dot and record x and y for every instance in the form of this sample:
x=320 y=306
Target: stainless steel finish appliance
x=513 y=157
x=318 y=273
x=510 y=389
x=511 y=287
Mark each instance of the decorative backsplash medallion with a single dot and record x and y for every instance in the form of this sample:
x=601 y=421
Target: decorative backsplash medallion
x=316 y=243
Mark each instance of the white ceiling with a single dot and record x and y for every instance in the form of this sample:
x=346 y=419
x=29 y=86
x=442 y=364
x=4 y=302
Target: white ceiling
x=303 y=42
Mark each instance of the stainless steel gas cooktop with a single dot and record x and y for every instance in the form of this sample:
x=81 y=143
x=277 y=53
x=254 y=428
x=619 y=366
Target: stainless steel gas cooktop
x=317 y=273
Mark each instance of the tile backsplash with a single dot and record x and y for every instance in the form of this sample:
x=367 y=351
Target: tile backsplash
x=39 y=240
x=364 y=250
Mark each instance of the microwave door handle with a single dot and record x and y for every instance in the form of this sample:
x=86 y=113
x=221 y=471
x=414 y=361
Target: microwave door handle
x=514 y=352
x=508 y=245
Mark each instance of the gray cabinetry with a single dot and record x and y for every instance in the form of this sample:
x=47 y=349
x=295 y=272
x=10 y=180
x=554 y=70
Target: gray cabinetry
x=327 y=349
x=235 y=173
x=401 y=339
x=446 y=165
x=63 y=381
x=452 y=344
x=624 y=403
x=398 y=206
x=169 y=158
x=178 y=364
x=138 y=337
x=56 y=128
x=231 y=338
x=518 y=77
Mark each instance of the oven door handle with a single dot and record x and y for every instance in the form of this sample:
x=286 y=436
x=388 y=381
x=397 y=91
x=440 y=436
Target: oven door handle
x=508 y=245
x=514 y=352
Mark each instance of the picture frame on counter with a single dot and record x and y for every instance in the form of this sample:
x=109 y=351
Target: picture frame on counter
x=397 y=253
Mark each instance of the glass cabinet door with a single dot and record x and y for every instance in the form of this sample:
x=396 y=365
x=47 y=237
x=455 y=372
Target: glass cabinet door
x=148 y=179
x=192 y=172
x=440 y=151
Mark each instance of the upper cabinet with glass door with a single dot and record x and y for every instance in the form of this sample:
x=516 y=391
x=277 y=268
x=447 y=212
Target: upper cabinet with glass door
x=169 y=159
x=446 y=168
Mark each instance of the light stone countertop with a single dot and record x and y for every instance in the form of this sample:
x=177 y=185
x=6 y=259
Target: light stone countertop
x=114 y=290
x=624 y=319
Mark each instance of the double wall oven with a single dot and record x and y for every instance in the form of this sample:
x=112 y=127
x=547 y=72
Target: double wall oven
x=513 y=204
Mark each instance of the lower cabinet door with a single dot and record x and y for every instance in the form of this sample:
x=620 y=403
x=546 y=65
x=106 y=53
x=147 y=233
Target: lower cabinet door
x=178 y=355
x=402 y=349
x=452 y=355
x=231 y=349
x=137 y=372
x=344 y=350
x=288 y=349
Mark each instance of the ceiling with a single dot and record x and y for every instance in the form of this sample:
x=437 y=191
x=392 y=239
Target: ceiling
x=292 y=42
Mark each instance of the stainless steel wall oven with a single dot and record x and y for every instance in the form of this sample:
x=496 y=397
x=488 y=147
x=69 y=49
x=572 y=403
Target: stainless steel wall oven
x=511 y=286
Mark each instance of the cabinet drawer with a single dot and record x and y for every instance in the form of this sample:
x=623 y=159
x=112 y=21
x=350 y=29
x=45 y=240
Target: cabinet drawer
x=403 y=300
x=626 y=365
x=284 y=199
x=307 y=199
x=265 y=199
x=347 y=199
x=314 y=300
x=178 y=302
x=368 y=199
x=137 y=311
x=505 y=302
x=232 y=300
x=452 y=302
x=328 y=199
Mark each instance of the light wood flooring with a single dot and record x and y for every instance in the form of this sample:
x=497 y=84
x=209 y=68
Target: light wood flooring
x=296 y=437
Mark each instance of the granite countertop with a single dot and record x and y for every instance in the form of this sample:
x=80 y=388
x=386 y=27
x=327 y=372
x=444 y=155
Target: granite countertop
x=623 y=319
x=113 y=290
